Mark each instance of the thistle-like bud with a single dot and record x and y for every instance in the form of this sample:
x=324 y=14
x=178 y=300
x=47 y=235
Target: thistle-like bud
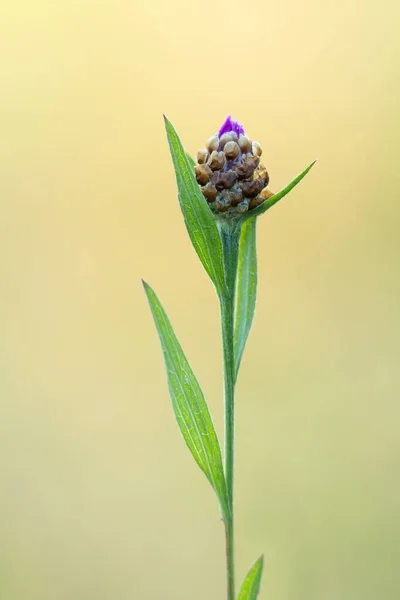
x=229 y=172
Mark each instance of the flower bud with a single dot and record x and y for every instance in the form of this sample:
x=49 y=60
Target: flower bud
x=229 y=172
x=202 y=156
x=231 y=150
x=217 y=160
x=213 y=143
x=203 y=174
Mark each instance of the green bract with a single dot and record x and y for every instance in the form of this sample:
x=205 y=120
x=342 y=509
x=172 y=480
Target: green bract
x=251 y=584
x=279 y=195
x=200 y=223
x=246 y=288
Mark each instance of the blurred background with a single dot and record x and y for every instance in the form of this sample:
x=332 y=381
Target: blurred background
x=99 y=497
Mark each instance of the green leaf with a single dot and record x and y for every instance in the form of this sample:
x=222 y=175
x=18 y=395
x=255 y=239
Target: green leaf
x=276 y=197
x=189 y=405
x=251 y=584
x=199 y=220
x=246 y=290
x=191 y=160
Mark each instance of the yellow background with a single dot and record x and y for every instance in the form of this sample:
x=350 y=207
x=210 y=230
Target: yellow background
x=99 y=498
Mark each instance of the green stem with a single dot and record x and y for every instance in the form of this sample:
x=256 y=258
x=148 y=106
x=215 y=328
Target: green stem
x=230 y=234
x=229 y=413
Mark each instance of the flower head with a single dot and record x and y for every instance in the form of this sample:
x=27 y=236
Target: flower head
x=229 y=172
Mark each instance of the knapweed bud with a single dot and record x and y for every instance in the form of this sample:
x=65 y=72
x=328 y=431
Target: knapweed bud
x=229 y=172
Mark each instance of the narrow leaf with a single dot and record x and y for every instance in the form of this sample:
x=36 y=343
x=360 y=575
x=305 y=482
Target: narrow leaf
x=251 y=584
x=199 y=220
x=276 y=197
x=246 y=288
x=189 y=405
x=190 y=159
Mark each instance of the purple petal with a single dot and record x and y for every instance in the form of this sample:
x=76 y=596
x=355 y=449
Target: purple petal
x=230 y=125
